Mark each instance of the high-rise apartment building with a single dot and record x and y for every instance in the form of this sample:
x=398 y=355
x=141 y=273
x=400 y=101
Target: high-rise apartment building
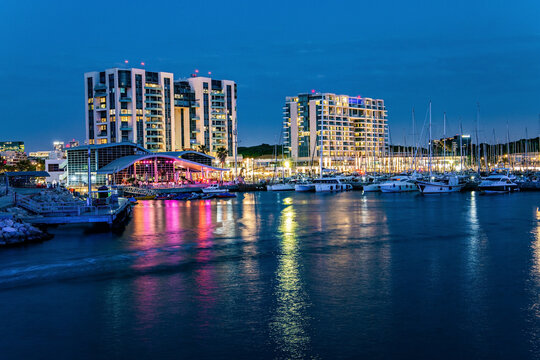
x=213 y=118
x=130 y=105
x=155 y=112
x=353 y=128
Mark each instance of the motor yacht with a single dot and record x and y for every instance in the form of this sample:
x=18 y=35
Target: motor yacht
x=497 y=183
x=304 y=186
x=441 y=186
x=330 y=184
x=373 y=184
x=400 y=183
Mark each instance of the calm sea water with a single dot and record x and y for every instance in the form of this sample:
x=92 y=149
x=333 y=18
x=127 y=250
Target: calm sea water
x=285 y=275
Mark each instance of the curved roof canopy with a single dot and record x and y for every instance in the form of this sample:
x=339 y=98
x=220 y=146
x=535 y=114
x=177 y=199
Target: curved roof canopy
x=126 y=161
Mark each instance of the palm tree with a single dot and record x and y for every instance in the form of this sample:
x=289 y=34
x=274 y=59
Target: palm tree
x=202 y=149
x=221 y=154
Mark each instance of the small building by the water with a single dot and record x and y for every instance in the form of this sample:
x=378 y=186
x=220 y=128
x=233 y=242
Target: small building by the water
x=130 y=164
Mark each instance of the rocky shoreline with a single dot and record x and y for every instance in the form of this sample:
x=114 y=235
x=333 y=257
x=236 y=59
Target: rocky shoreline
x=15 y=232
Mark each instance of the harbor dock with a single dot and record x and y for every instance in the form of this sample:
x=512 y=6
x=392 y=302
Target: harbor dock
x=72 y=213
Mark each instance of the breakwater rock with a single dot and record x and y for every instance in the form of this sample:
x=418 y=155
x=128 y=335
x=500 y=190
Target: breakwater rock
x=14 y=232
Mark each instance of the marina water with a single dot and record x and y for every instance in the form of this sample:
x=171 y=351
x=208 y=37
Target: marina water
x=284 y=275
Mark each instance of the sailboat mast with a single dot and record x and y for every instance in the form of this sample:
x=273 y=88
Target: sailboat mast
x=508 y=146
x=461 y=145
x=477 y=141
x=444 y=143
x=321 y=139
x=526 y=148
x=429 y=141
x=414 y=140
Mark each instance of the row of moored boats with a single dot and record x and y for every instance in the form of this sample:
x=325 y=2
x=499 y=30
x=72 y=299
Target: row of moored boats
x=446 y=183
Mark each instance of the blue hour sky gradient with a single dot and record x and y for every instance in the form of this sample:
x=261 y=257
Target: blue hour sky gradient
x=455 y=53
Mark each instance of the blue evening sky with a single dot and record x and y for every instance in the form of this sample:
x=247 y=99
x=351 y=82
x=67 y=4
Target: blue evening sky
x=456 y=53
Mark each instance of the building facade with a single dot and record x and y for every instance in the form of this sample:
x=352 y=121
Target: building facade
x=12 y=146
x=213 y=118
x=124 y=163
x=153 y=111
x=130 y=105
x=354 y=129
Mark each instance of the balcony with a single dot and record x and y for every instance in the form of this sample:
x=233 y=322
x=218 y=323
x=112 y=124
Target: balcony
x=100 y=87
x=126 y=127
x=196 y=131
x=102 y=134
x=125 y=99
x=195 y=104
x=195 y=118
x=153 y=102
x=153 y=87
x=154 y=115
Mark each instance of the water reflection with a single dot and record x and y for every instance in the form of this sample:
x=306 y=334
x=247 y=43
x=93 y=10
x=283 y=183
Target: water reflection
x=535 y=277
x=475 y=241
x=289 y=324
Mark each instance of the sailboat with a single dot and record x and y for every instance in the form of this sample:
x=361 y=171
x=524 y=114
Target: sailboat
x=283 y=185
x=447 y=184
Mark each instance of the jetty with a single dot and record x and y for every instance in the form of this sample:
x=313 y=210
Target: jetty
x=75 y=212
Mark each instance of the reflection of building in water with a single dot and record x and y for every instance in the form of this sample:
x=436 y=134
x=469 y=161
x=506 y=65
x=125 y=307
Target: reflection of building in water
x=290 y=321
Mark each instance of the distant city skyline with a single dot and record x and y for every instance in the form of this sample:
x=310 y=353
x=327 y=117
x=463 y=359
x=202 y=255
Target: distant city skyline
x=453 y=53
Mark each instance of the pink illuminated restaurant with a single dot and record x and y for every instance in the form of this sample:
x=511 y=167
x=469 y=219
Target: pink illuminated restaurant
x=130 y=164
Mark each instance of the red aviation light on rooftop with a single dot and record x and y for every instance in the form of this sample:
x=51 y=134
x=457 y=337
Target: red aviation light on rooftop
x=125 y=61
x=142 y=63
x=209 y=73
x=313 y=91
x=197 y=71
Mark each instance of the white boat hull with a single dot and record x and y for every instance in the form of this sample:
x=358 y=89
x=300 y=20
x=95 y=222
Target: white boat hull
x=280 y=187
x=304 y=187
x=332 y=187
x=397 y=188
x=437 y=188
x=214 y=191
x=499 y=189
x=372 y=188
